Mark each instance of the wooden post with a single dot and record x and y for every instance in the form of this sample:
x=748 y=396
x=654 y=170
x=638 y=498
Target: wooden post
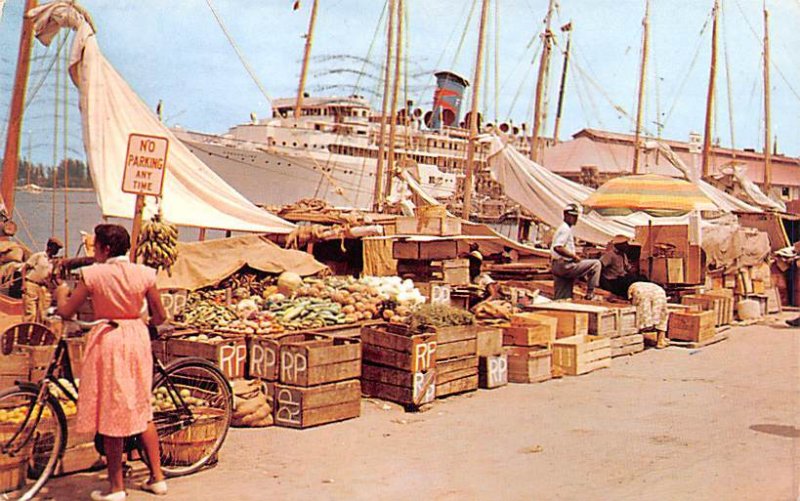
x=473 y=116
x=304 y=69
x=137 y=225
x=568 y=28
x=398 y=61
x=767 y=123
x=11 y=155
x=543 y=63
x=201 y=236
x=377 y=199
x=712 y=79
x=642 y=79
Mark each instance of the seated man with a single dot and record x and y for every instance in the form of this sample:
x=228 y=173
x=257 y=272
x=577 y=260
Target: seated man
x=565 y=263
x=618 y=274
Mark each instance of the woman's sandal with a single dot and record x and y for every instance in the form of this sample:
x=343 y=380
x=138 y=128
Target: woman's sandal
x=158 y=488
x=112 y=496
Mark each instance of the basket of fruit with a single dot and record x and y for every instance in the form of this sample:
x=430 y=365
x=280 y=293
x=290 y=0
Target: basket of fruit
x=14 y=463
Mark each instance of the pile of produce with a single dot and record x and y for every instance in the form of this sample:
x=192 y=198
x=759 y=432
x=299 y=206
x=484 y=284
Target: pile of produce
x=293 y=303
x=164 y=399
x=68 y=405
x=157 y=246
x=438 y=315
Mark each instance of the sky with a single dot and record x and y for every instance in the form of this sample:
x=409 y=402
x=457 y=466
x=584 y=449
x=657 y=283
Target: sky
x=176 y=51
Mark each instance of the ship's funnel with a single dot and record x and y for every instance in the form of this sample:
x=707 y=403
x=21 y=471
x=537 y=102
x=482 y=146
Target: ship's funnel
x=447 y=99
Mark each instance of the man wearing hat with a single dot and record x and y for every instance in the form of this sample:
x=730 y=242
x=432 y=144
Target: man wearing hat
x=617 y=274
x=565 y=263
x=36 y=279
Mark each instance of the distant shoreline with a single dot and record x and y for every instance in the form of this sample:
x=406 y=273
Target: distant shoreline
x=22 y=187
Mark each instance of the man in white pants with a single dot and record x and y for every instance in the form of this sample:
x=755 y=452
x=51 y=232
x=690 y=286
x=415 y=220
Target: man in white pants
x=565 y=263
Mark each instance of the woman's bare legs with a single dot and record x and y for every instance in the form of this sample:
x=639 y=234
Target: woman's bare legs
x=151 y=448
x=113 y=446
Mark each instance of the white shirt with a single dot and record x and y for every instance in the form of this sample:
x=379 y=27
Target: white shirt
x=39 y=267
x=563 y=237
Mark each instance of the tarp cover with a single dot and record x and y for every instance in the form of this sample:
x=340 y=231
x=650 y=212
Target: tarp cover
x=201 y=264
x=193 y=194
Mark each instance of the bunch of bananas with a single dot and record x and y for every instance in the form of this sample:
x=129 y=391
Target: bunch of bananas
x=158 y=244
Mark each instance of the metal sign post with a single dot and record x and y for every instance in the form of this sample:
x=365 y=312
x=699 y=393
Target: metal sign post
x=145 y=163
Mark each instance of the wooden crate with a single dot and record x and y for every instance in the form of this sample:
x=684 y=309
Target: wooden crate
x=396 y=385
x=493 y=371
x=14 y=367
x=726 y=306
x=489 y=341
x=709 y=302
x=691 y=326
x=773 y=300
x=429 y=250
x=455 y=376
x=529 y=365
x=263 y=352
x=436 y=226
x=296 y=407
x=437 y=292
x=395 y=346
x=570 y=322
x=539 y=335
x=312 y=363
x=581 y=354
x=627 y=321
x=456 y=271
x=228 y=353
x=627 y=345
x=456 y=342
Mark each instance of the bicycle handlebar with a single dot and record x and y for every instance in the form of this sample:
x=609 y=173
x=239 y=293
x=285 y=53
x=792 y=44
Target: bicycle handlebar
x=51 y=312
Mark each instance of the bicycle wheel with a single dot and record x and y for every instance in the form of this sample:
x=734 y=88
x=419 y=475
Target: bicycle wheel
x=32 y=439
x=192 y=408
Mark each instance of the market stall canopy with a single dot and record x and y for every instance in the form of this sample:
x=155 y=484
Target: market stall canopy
x=652 y=194
x=193 y=194
x=201 y=264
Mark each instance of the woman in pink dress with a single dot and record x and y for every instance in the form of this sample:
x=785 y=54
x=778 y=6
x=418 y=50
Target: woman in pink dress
x=116 y=378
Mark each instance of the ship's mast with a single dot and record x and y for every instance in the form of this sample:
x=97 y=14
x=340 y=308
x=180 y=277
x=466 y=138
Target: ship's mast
x=377 y=200
x=395 y=95
x=568 y=28
x=11 y=154
x=306 y=53
x=712 y=79
x=540 y=79
x=767 y=123
x=642 y=79
x=473 y=115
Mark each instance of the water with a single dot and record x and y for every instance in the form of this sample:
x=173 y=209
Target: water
x=35 y=219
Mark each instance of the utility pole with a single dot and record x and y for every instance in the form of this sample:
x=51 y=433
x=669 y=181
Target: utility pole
x=473 y=116
x=395 y=95
x=568 y=29
x=377 y=199
x=712 y=80
x=304 y=70
x=642 y=79
x=17 y=108
x=543 y=64
x=767 y=123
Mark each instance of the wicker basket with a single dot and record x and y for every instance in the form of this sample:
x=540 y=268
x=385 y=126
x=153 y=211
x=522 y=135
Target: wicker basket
x=13 y=469
x=188 y=445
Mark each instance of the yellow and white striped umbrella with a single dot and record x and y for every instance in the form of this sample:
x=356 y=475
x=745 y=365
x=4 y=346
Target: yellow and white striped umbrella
x=650 y=193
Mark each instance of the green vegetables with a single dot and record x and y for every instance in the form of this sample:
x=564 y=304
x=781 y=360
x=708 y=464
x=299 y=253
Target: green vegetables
x=438 y=315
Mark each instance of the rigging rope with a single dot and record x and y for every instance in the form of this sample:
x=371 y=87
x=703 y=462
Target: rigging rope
x=357 y=86
x=239 y=53
x=727 y=74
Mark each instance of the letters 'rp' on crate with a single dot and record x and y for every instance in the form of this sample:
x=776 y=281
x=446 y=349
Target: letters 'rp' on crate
x=297 y=407
x=493 y=371
x=310 y=364
x=228 y=353
x=396 y=385
x=577 y=355
x=263 y=361
x=396 y=346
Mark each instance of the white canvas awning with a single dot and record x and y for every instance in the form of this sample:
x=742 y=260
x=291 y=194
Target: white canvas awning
x=193 y=194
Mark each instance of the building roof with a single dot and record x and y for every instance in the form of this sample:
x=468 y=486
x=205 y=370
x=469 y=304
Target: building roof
x=612 y=153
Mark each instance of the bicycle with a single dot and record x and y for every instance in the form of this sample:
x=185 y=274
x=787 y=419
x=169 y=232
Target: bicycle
x=192 y=401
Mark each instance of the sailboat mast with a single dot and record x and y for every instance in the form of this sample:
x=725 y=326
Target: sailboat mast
x=642 y=79
x=543 y=64
x=473 y=115
x=306 y=53
x=11 y=155
x=377 y=200
x=767 y=123
x=398 y=61
x=568 y=28
x=712 y=80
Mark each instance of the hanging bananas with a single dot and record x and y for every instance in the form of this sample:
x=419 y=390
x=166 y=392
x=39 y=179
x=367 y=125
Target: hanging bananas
x=158 y=244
